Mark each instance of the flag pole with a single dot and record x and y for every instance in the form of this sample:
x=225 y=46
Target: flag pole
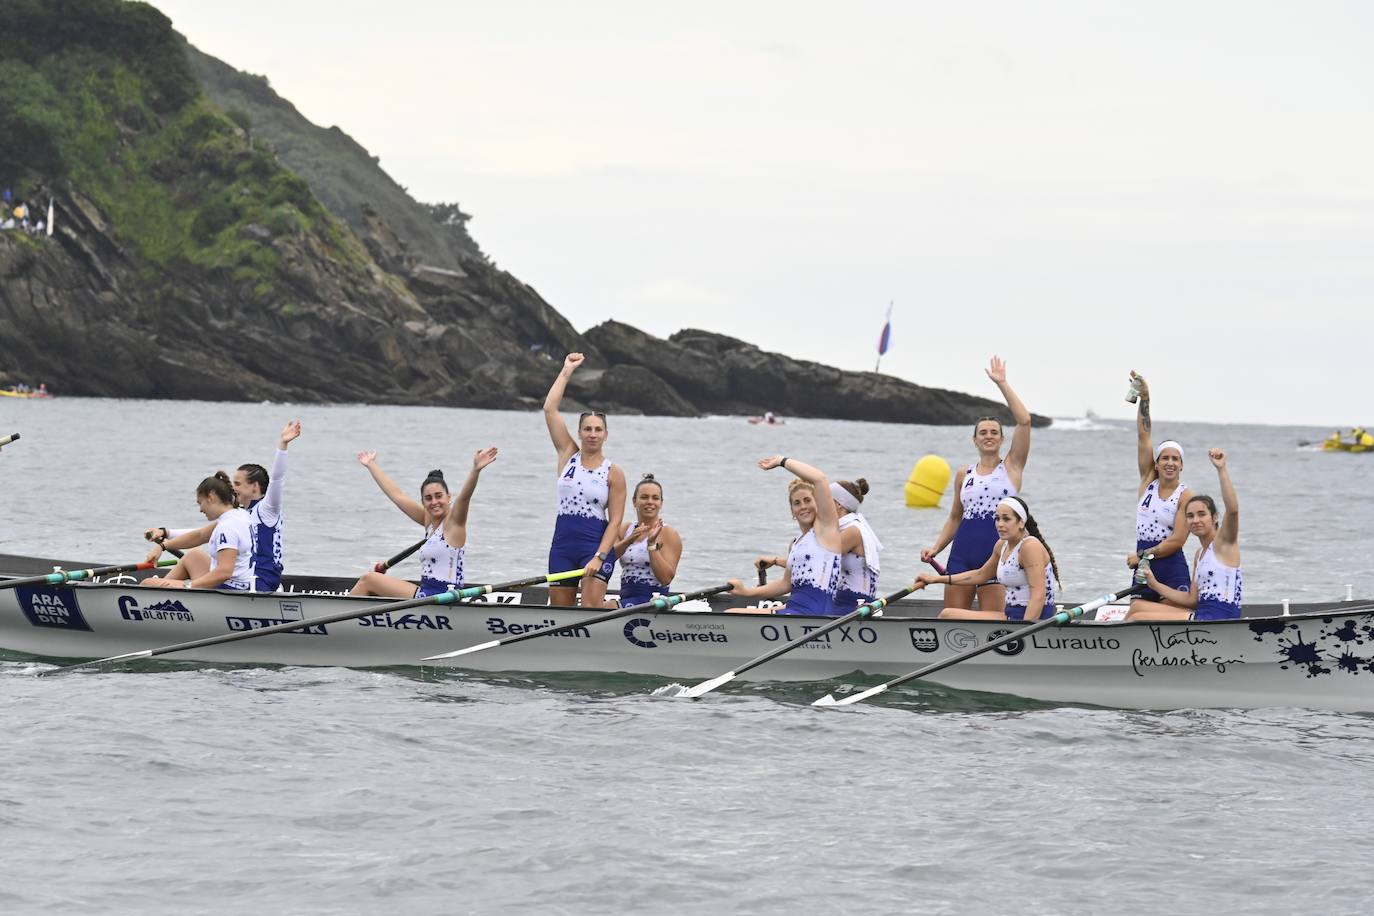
x=885 y=339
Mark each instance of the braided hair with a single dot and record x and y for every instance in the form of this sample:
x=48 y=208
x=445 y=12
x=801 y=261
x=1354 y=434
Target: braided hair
x=1033 y=529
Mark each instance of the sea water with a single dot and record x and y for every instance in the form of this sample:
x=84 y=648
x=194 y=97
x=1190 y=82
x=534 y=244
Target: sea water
x=194 y=788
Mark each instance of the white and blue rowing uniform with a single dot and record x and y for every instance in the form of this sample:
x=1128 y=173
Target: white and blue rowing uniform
x=441 y=566
x=1218 y=588
x=858 y=582
x=1154 y=523
x=584 y=496
x=264 y=522
x=1012 y=574
x=976 y=536
x=638 y=584
x=815 y=574
x=232 y=531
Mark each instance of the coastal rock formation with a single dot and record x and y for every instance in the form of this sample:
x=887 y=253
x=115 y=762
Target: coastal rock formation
x=719 y=374
x=212 y=243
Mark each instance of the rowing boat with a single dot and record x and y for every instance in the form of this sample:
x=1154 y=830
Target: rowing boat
x=1319 y=656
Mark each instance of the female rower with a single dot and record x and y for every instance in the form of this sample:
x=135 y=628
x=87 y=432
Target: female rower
x=649 y=550
x=445 y=523
x=1160 y=529
x=1215 y=594
x=812 y=570
x=1022 y=562
x=261 y=494
x=230 y=552
x=591 y=491
x=977 y=490
x=859 y=547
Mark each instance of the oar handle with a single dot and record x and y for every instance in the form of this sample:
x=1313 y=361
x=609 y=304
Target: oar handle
x=62 y=577
x=148 y=535
x=387 y=564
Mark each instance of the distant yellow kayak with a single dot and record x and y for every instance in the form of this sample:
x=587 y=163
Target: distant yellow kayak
x=25 y=394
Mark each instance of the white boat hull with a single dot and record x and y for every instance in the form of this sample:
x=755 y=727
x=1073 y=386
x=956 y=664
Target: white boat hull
x=1323 y=659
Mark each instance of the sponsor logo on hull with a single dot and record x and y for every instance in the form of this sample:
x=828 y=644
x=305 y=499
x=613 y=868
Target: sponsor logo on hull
x=924 y=639
x=502 y=628
x=639 y=632
x=1015 y=647
x=50 y=607
x=171 y=609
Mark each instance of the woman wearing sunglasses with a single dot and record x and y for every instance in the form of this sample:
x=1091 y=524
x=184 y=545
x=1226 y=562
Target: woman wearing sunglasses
x=978 y=489
x=591 y=490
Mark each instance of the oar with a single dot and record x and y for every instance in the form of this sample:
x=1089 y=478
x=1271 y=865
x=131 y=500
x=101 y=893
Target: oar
x=62 y=577
x=661 y=603
x=387 y=564
x=448 y=597
x=871 y=609
x=1058 y=619
x=158 y=541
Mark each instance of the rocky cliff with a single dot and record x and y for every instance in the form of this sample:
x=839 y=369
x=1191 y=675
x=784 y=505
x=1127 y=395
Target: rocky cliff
x=213 y=243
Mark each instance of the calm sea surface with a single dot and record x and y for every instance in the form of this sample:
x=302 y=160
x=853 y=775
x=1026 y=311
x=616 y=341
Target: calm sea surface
x=289 y=790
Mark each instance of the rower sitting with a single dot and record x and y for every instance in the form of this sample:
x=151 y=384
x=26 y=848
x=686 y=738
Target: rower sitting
x=648 y=550
x=1216 y=591
x=230 y=551
x=813 y=560
x=1022 y=562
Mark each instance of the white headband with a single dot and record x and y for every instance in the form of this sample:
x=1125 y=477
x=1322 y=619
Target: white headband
x=1015 y=506
x=844 y=497
x=1168 y=443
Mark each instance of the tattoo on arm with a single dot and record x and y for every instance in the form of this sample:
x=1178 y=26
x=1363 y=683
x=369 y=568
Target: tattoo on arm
x=1145 y=414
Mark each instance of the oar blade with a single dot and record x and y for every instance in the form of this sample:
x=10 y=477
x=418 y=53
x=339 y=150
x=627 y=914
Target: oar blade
x=705 y=687
x=457 y=652
x=826 y=700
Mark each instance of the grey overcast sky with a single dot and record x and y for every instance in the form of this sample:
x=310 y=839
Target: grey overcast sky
x=1185 y=188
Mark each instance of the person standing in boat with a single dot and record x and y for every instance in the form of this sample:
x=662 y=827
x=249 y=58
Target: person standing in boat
x=648 y=549
x=1159 y=527
x=230 y=550
x=859 y=547
x=977 y=490
x=1022 y=563
x=591 y=491
x=1216 y=591
x=812 y=568
x=445 y=521
x=261 y=494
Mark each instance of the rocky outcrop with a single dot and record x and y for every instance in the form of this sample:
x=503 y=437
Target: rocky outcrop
x=719 y=374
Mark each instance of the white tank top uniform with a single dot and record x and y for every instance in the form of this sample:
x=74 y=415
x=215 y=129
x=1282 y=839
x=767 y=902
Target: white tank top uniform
x=638 y=584
x=1218 y=588
x=858 y=580
x=1012 y=574
x=583 y=499
x=976 y=535
x=815 y=574
x=1154 y=522
x=441 y=566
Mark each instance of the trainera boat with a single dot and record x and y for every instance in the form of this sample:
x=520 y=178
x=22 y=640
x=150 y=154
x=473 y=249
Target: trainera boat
x=1317 y=655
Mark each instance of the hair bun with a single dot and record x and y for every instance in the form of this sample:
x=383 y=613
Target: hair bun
x=862 y=484
x=220 y=475
x=647 y=477
x=435 y=474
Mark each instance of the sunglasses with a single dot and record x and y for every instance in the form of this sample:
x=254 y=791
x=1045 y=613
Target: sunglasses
x=590 y=413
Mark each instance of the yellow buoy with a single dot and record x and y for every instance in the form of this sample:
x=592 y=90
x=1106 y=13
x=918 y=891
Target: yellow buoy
x=927 y=482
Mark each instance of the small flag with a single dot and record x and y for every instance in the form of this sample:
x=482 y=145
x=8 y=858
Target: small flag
x=885 y=340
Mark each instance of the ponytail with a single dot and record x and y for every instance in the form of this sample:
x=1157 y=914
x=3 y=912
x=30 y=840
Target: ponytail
x=217 y=486
x=1033 y=529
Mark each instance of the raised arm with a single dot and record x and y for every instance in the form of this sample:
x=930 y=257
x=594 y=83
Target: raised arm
x=1020 y=438
x=277 y=484
x=388 y=486
x=827 y=525
x=1144 y=434
x=1230 y=522
x=456 y=524
x=563 y=441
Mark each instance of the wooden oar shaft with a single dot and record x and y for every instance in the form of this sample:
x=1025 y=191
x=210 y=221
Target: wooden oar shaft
x=1058 y=619
x=387 y=564
x=661 y=603
x=448 y=597
x=62 y=577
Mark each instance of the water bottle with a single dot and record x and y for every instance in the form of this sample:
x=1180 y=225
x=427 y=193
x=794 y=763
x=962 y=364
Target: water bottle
x=1133 y=394
x=1142 y=568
